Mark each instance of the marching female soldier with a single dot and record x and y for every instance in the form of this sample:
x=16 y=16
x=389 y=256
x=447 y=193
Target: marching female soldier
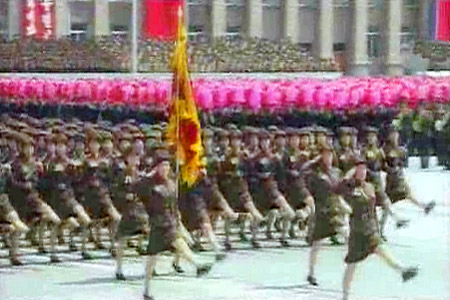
x=57 y=187
x=295 y=157
x=10 y=222
x=364 y=239
x=397 y=188
x=24 y=193
x=217 y=204
x=97 y=200
x=319 y=181
x=265 y=191
x=161 y=206
x=235 y=188
x=374 y=157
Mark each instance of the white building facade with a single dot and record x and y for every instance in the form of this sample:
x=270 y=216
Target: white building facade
x=366 y=28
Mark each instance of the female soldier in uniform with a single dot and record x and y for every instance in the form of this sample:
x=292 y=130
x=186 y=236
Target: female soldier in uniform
x=161 y=206
x=295 y=157
x=10 y=222
x=57 y=187
x=374 y=157
x=397 y=188
x=126 y=201
x=217 y=204
x=319 y=181
x=96 y=195
x=364 y=239
x=265 y=191
x=24 y=193
x=234 y=187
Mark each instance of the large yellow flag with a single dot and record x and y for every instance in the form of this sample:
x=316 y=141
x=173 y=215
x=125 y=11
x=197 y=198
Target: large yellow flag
x=184 y=131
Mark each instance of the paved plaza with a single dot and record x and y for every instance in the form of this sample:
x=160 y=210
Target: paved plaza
x=269 y=273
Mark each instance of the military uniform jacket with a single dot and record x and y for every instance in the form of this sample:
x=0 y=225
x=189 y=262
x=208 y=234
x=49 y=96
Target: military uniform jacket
x=321 y=184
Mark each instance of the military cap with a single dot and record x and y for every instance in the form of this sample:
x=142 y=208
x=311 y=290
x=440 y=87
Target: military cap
x=150 y=133
x=19 y=125
x=125 y=136
x=207 y=133
x=231 y=126
x=392 y=128
x=264 y=134
x=345 y=130
x=23 y=139
x=236 y=133
x=222 y=133
x=319 y=129
x=106 y=136
x=272 y=128
x=161 y=155
x=92 y=134
x=54 y=122
x=249 y=130
x=60 y=138
x=370 y=129
x=291 y=131
x=304 y=131
x=70 y=126
x=138 y=135
x=360 y=159
x=330 y=133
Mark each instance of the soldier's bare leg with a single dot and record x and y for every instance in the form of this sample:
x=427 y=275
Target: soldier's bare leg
x=149 y=268
x=315 y=247
x=211 y=236
x=41 y=226
x=348 y=278
x=407 y=273
x=272 y=216
x=287 y=215
x=85 y=222
x=115 y=218
x=183 y=251
x=119 y=255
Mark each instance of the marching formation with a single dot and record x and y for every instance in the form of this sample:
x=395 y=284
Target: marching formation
x=73 y=179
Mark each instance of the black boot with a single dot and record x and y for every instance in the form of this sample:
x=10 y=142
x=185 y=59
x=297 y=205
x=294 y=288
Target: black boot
x=148 y=297
x=409 y=273
x=429 y=207
x=120 y=276
x=16 y=262
x=228 y=246
x=424 y=162
x=312 y=281
x=256 y=244
x=54 y=259
x=203 y=270
x=402 y=223
x=177 y=268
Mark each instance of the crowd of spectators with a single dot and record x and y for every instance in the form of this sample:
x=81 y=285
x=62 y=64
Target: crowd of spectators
x=438 y=54
x=113 y=55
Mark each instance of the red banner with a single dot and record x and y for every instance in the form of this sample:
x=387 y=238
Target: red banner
x=39 y=19
x=161 y=18
x=443 y=30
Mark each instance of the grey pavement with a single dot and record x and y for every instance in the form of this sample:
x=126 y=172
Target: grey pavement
x=269 y=273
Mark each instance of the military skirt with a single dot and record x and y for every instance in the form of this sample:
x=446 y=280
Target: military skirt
x=361 y=245
x=236 y=192
x=193 y=210
x=294 y=194
x=163 y=230
x=322 y=226
x=396 y=187
x=265 y=194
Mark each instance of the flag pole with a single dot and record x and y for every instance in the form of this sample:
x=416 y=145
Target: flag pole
x=177 y=154
x=134 y=42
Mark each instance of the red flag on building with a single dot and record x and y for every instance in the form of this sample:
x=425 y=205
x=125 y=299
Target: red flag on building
x=443 y=16
x=161 y=18
x=39 y=19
